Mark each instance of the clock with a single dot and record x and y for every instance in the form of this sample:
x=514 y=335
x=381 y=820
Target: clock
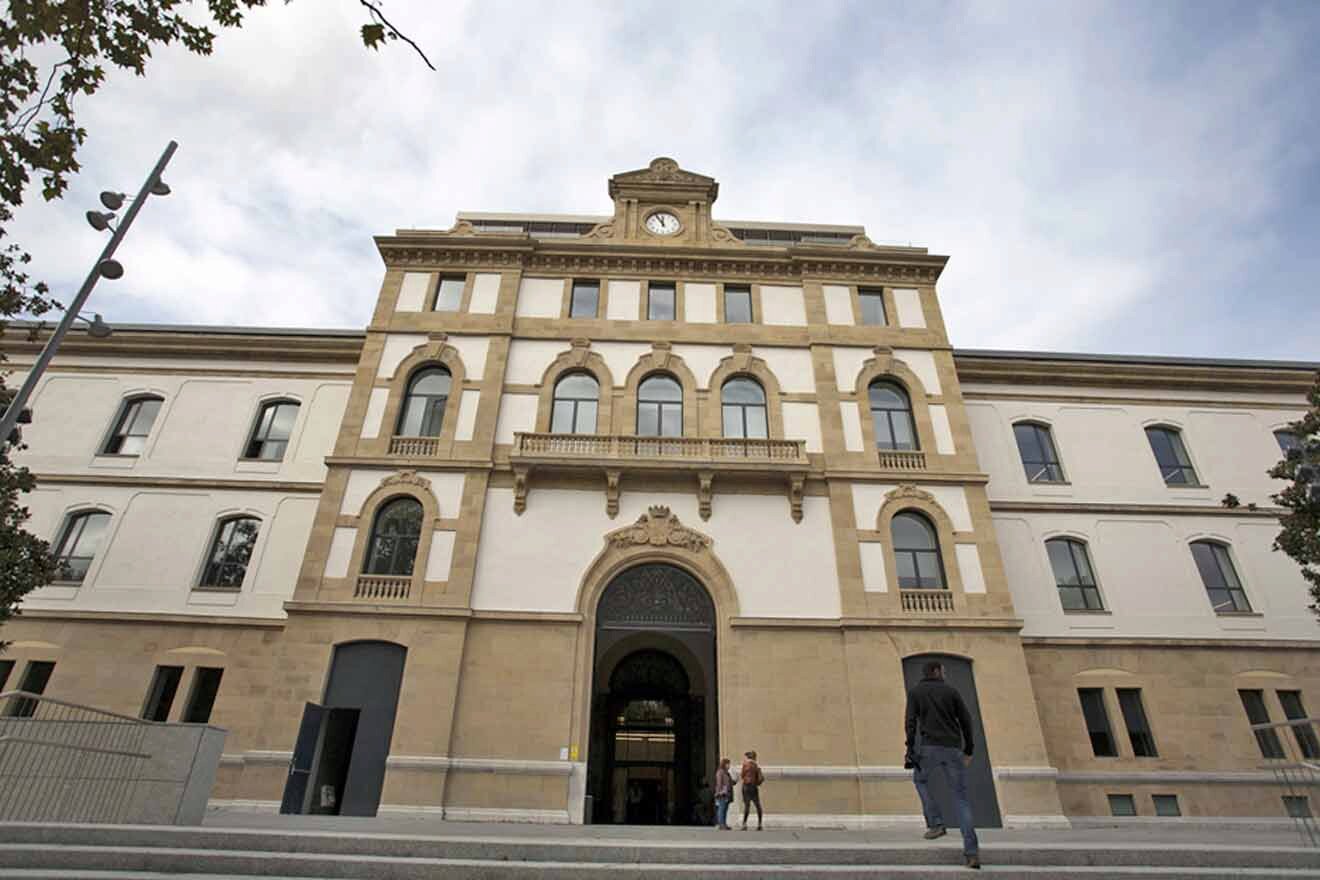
x=662 y=223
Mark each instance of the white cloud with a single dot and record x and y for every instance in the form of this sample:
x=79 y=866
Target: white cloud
x=1091 y=175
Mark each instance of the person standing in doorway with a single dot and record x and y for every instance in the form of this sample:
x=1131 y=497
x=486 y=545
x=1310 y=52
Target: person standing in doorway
x=723 y=795
x=938 y=712
x=752 y=778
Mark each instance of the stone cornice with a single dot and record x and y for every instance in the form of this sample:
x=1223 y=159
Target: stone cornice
x=194 y=343
x=1035 y=369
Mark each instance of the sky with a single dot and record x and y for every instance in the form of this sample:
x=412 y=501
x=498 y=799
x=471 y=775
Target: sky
x=1116 y=177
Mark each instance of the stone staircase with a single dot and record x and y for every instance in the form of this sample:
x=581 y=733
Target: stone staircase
x=130 y=852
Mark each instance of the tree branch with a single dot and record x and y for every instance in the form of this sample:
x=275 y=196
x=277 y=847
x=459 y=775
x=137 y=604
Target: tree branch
x=395 y=32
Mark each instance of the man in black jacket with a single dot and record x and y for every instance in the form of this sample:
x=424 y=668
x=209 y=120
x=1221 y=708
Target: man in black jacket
x=938 y=711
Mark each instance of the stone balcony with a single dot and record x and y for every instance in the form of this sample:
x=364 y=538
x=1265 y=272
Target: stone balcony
x=927 y=601
x=900 y=460
x=616 y=454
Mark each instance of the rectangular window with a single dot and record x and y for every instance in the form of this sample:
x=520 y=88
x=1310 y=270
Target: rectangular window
x=737 y=304
x=585 y=301
x=1122 y=805
x=160 y=696
x=35 y=678
x=6 y=667
x=1134 y=716
x=1303 y=730
x=1297 y=806
x=201 y=699
x=1166 y=805
x=1097 y=722
x=872 y=302
x=449 y=293
x=1257 y=713
x=133 y=427
x=660 y=301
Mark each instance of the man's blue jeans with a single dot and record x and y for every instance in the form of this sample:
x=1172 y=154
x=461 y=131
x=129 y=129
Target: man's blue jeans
x=948 y=761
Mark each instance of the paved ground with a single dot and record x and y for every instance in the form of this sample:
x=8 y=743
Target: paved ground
x=1162 y=833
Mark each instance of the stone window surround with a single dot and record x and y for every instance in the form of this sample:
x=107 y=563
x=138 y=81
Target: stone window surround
x=885 y=367
x=886 y=298
x=395 y=485
x=191 y=658
x=909 y=498
x=643 y=300
x=435 y=352
x=433 y=290
x=578 y=359
x=660 y=359
x=1108 y=681
x=1085 y=540
x=755 y=294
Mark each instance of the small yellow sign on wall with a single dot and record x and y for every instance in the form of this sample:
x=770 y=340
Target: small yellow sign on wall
x=572 y=753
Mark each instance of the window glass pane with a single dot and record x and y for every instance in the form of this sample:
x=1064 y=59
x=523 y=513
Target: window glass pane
x=756 y=422
x=884 y=437
x=1166 y=805
x=1205 y=564
x=394 y=538
x=206 y=684
x=737 y=305
x=1225 y=563
x=907 y=570
x=742 y=390
x=1097 y=722
x=910 y=532
x=79 y=545
x=283 y=416
x=431 y=382
x=1134 y=716
x=160 y=694
x=1061 y=563
x=1122 y=805
x=1253 y=702
x=586 y=299
x=1293 y=710
x=928 y=569
x=872 y=306
x=449 y=295
x=561 y=420
x=6 y=667
x=145 y=417
x=660 y=388
x=578 y=385
x=586 y=417
x=904 y=437
x=1287 y=441
x=35 y=678
x=1072 y=598
x=733 y=421
x=648 y=419
x=1082 y=562
x=671 y=421
x=885 y=395
x=660 y=302
x=1297 y=806
x=1028 y=443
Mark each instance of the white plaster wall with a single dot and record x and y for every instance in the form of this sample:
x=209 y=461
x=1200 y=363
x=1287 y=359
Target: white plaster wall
x=873 y=567
x=1106 y=457
x=315 y=438
x=1147 y=578
x=485 y=293
x=155 y=546
x=838 y=304
x=540 y=298
x=536 y=561
x=447 y=486
x=441 y=557
x=791 y=366
x=783 y=306
x=868 y=498
x=467 y=415
x=375 y=412
x=517 y=413
x=412 y=293
x=397 y=347
x=847 y=364
x=850 y=412
x=939 y=422
x=922 y=363
x=472 y=350
x=908 y=303
x=341 y=552
x=802 y=422
x=620 y=357
x=529 y=358
x=702 y=360
x=969 y=566
x=700 y=303
x=625 y=298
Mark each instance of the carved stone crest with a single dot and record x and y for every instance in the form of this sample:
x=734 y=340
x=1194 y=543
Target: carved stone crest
x=661 y=352
x=907 y=490
x=407 y=478
x=659 y=528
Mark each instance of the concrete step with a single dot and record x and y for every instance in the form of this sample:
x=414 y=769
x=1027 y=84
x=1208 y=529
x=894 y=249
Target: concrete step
x=718 y=850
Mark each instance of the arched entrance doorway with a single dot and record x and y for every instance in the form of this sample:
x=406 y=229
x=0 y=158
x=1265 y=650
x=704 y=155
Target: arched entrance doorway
x=653 y=708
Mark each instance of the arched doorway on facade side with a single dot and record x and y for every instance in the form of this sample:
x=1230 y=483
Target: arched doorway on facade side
x=653 y=708
x=980 y=775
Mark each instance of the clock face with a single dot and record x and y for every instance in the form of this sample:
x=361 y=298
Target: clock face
x=662 y=223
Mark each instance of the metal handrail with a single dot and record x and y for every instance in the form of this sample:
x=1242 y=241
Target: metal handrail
x=58 y=702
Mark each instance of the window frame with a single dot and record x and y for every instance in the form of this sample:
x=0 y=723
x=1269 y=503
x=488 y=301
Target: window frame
x=217 y=534
x=660 y=404
x=556 y=399
x=865 y=294
x=1108 y=731
x=369 y=553
x=918 y=554
x=161 y=691
x=190 y=714
x=1073 y=544
x=70 y=520
x=254 y=435
x=1308 y=743
x=1048 y=447
x=1121 y=798
x=672 y=287
x=1221 y=553
x=1136 y=711
x=573 y=285
x=440 y=280
x=24 y=707
x=742 y=408
x=739 y=289
x=126 y=406
x=1157 y=799
x=1253 y=704
x=1188 y=470
x=889 y=416
x=431 y=409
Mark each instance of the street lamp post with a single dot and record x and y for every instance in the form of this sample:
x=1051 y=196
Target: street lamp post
x=103 y=267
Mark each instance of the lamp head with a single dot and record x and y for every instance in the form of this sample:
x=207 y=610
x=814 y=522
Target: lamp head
x=99 y=329
x=160 y=188
x=112 y=200
x=111 y=269
x=100 y=220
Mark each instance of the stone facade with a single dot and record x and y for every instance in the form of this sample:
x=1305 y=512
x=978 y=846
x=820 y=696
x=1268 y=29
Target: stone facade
x=789 y=533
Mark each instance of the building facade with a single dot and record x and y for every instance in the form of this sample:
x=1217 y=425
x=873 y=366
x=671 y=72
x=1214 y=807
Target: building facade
x=595 y=500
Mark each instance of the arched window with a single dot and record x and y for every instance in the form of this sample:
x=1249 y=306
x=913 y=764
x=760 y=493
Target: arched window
x=129 y=436
x=1073 y=575
x=270 y=434
x=227 y=563
x=743 y=400
x=574 y=411
x=1287 y=440
x=394 y=537
x=423 y=409
x=1171 y=455
x=1220 y=577
x=1039 y=458
x=660 y=407
x=917 y=553
x=891 y=413
x=78 y=545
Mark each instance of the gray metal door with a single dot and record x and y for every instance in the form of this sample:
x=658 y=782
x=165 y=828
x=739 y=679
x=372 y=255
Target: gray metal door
x=980 y=776
x=366 y=676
